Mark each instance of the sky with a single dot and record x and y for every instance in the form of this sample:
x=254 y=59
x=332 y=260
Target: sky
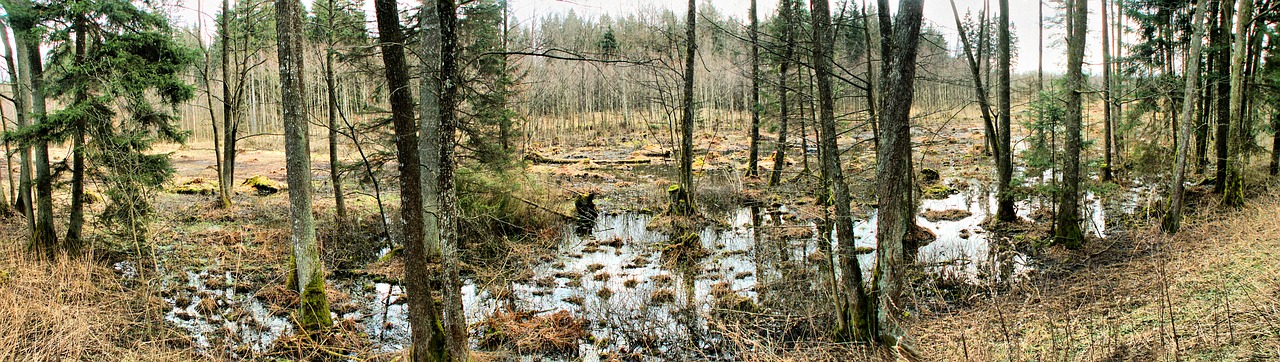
x=937 y=13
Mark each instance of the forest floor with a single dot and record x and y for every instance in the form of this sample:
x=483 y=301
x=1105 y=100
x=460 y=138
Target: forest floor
x=1208 y=293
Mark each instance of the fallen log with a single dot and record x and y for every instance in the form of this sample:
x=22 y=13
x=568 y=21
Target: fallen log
x=540 y=159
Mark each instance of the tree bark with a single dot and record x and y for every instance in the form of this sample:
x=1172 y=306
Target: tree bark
x=1238 y=133
x=893 y=171
x=313 y=308
x=455 y=320
x=428 y=342
x=1173 y=218
x=1068 y=232
x=429 y=128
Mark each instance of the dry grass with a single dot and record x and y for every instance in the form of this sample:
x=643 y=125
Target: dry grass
x=558 y=333
x=1208 y=293
x=75 y=309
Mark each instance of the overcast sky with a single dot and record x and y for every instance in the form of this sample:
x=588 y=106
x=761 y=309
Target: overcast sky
x=937 y=13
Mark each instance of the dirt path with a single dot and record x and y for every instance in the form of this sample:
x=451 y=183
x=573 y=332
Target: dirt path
x=1209 y=293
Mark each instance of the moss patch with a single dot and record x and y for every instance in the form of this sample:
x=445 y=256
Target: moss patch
x=313 y=309
x=196 y=186
x=263 y=185
x=938 y=191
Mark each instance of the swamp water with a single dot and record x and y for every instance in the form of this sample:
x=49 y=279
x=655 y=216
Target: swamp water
x=614 y=277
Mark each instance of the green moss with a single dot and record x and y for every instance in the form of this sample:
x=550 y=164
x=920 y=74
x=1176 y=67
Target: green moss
x=681 y=201
x=263 y=185
x=937 y=191
x=313 y=309
x=197 y=186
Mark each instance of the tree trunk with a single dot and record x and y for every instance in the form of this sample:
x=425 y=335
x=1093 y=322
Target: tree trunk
x=788 y=51
x=1173 y=218
x=1238 y=134
x=313 y=309
x=75 y=223
x=893 y=171
x=335 y=176
x=429 y=128
x=455 y=320
x=18 y=84
x=28 y=41
x=682 y=199
x=428 y=342
x=1068 y=231
x=1004 y=162
x=753 y=155
x=1221 y=45
x=984 y=103
x=230 y=118
x=1106 y=95
x=853 y=321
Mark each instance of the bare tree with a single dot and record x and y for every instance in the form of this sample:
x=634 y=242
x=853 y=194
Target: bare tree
x=1173 y=218
x=786 y=11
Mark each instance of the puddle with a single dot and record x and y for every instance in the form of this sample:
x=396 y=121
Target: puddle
x=216 y=313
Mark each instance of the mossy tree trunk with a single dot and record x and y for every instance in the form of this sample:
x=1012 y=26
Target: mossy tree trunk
x=1068 y=232
x=427 y=336
x=313 y=310
x=1173 y=218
